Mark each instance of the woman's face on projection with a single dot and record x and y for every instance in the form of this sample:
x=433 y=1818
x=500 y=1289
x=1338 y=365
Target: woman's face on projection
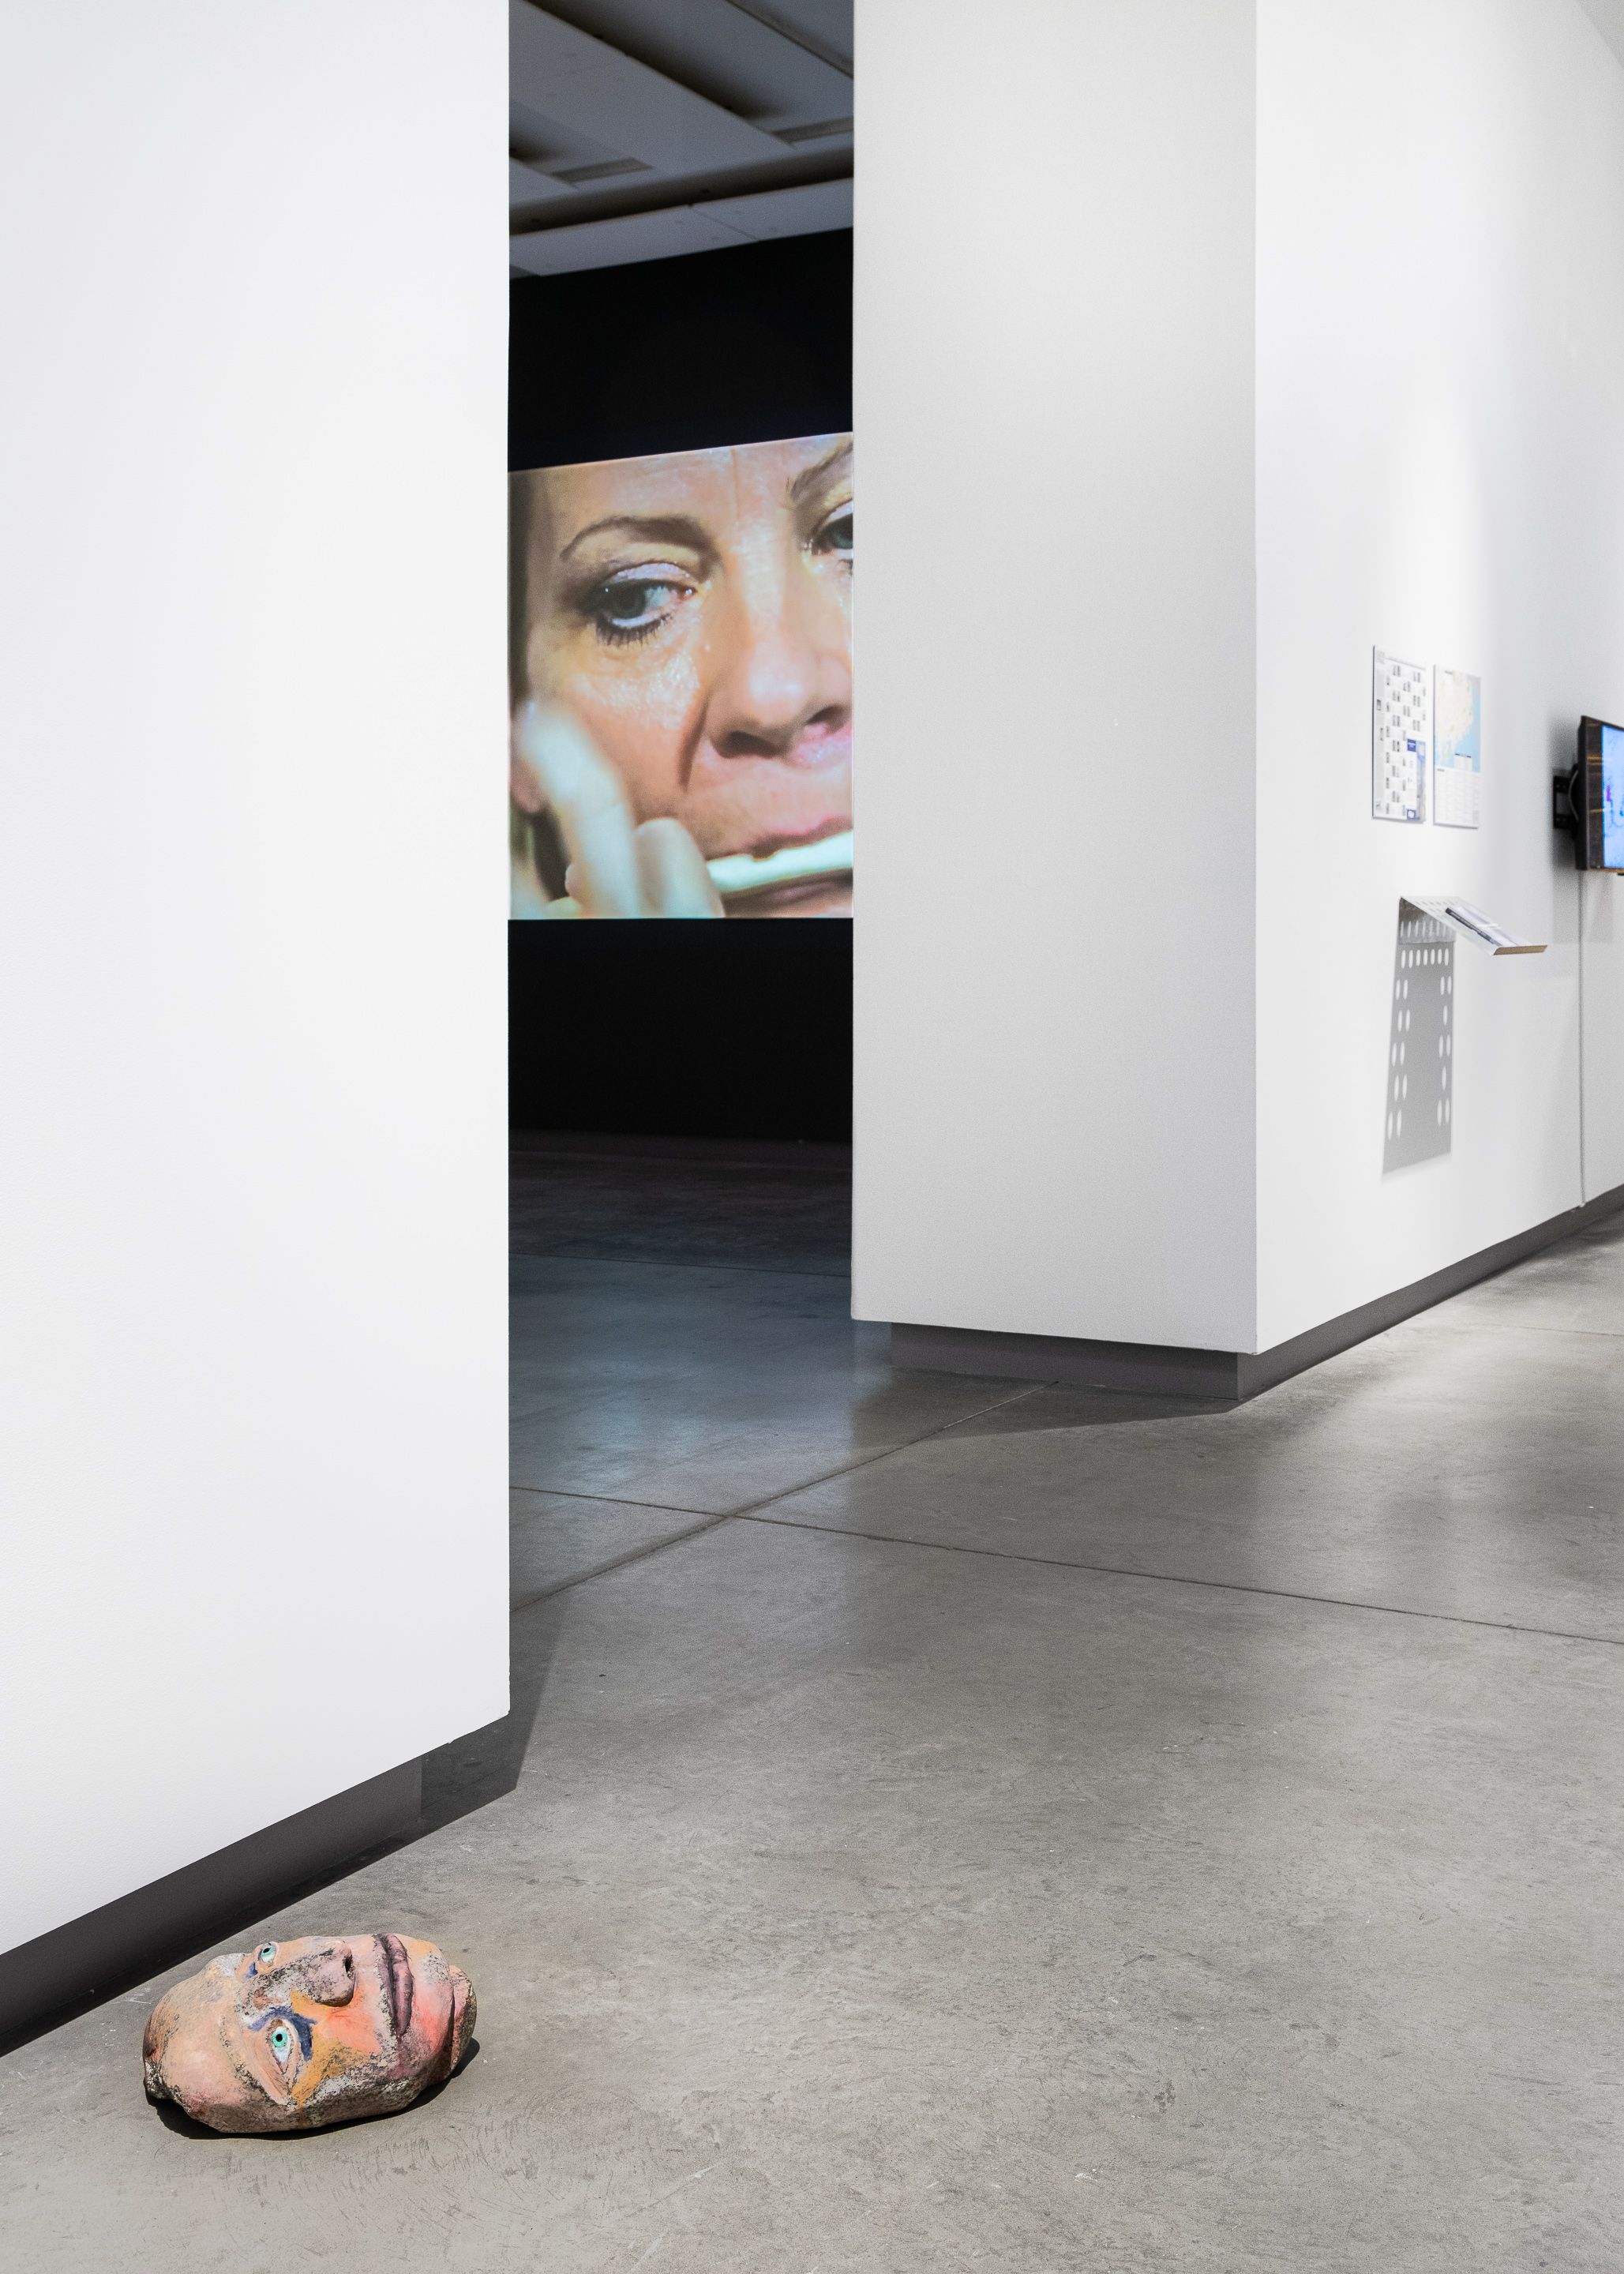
x=694 y=613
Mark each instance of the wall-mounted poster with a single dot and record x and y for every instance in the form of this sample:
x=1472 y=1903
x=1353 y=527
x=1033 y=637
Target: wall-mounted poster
x=1401 y=739
x=1457 y=749
x=680 y=657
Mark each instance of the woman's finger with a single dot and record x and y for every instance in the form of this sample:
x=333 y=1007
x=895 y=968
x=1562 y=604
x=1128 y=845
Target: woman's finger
x=675 y=880
x=525 y=900
x=584 y=794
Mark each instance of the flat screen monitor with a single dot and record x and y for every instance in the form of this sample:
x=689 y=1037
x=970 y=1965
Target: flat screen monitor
x=1596 y=796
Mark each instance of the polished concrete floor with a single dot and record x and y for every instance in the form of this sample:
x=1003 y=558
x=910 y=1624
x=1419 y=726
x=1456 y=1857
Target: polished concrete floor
x=950 y=1823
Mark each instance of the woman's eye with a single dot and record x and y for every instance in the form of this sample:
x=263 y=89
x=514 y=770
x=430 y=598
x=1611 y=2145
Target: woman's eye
x=835 y=535
x=623 y=606
x=283 y=2042
x=265 y=1954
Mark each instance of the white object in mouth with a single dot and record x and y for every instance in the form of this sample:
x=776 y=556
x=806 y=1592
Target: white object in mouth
x=736 y=873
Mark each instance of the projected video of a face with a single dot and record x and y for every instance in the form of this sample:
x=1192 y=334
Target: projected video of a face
x=681 y=663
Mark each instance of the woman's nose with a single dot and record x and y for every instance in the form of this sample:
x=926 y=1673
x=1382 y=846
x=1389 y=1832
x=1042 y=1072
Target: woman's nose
x=779 y=679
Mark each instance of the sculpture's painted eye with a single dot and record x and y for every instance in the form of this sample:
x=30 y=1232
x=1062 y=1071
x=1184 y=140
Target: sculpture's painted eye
x=265 y=1954
x=282 y=2043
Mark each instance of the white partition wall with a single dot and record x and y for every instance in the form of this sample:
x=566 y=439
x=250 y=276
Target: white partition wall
x=1252 y=339
x=1440 y=472
x=1055 y=244
x=251 y=899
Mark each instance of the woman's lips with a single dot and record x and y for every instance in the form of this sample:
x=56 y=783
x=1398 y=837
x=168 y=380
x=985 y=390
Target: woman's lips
x=784 y=840
x=818 y=896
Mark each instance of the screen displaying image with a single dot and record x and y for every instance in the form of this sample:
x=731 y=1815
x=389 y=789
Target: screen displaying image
x=681 y=665
x=1613 y=797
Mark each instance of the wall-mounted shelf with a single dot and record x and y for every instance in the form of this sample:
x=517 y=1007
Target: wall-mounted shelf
x=1472 y=923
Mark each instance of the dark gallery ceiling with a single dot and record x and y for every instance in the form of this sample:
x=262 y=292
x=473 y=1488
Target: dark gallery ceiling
x=643 y=128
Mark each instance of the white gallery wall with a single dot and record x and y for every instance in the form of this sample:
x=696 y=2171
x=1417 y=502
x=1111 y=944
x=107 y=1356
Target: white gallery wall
x=1441 y=473
x=1053 y=409
x=253 y=1459
x=1258 y=338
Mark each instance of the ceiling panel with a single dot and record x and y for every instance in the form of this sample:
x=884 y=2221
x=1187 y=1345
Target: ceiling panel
x=564 y=74
x=825 y=26
x=715 y=46
x=610 y=243
x=641 y=129
x=684 y=229
x=526 y=187
x=787 y=213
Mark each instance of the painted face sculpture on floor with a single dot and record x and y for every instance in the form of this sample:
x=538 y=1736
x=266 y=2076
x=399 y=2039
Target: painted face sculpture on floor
x=297 y=2034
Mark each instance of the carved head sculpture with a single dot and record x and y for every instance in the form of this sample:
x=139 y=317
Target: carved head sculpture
x=297 y=2034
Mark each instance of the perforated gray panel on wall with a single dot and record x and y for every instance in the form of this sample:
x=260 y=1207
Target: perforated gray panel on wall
x=1421 y=1042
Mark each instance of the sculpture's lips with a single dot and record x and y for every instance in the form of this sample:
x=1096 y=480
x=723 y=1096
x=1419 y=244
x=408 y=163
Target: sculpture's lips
x=394 y=1973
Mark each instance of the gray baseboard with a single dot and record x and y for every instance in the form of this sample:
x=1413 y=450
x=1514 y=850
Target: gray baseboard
x=1154 y=1370
x=1147 y=1366
x=140 y=1934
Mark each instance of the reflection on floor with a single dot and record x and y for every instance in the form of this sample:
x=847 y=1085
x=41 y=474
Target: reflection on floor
x=967 y=1823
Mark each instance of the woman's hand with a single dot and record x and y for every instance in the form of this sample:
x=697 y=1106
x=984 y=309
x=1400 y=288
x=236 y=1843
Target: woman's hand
x=617 y=867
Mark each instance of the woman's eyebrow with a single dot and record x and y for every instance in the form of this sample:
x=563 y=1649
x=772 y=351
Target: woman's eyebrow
x=659 y=529
x=806 y=485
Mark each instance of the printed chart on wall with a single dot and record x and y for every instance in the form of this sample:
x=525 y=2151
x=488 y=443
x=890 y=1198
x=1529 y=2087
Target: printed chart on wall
x=1401 y=739
x=680 y=654
x=1457 y=751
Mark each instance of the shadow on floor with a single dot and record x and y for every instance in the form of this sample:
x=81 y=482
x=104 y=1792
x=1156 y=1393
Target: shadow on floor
x=471 y=1772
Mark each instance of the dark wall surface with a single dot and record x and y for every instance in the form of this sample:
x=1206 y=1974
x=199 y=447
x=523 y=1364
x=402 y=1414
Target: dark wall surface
x=737 y=1028
x=683 y=1029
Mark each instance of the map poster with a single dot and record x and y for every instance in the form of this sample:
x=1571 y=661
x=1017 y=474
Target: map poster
x=1457 y=751
x=1401 y=739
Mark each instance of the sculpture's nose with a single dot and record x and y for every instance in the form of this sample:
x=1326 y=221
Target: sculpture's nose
x=330 y=1975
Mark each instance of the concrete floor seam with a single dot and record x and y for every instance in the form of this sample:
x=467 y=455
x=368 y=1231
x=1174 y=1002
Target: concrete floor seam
x=1177 y=1580
x=626 y=1500
x=728 y=1516
x=806 y=1484
x=617 y=1562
